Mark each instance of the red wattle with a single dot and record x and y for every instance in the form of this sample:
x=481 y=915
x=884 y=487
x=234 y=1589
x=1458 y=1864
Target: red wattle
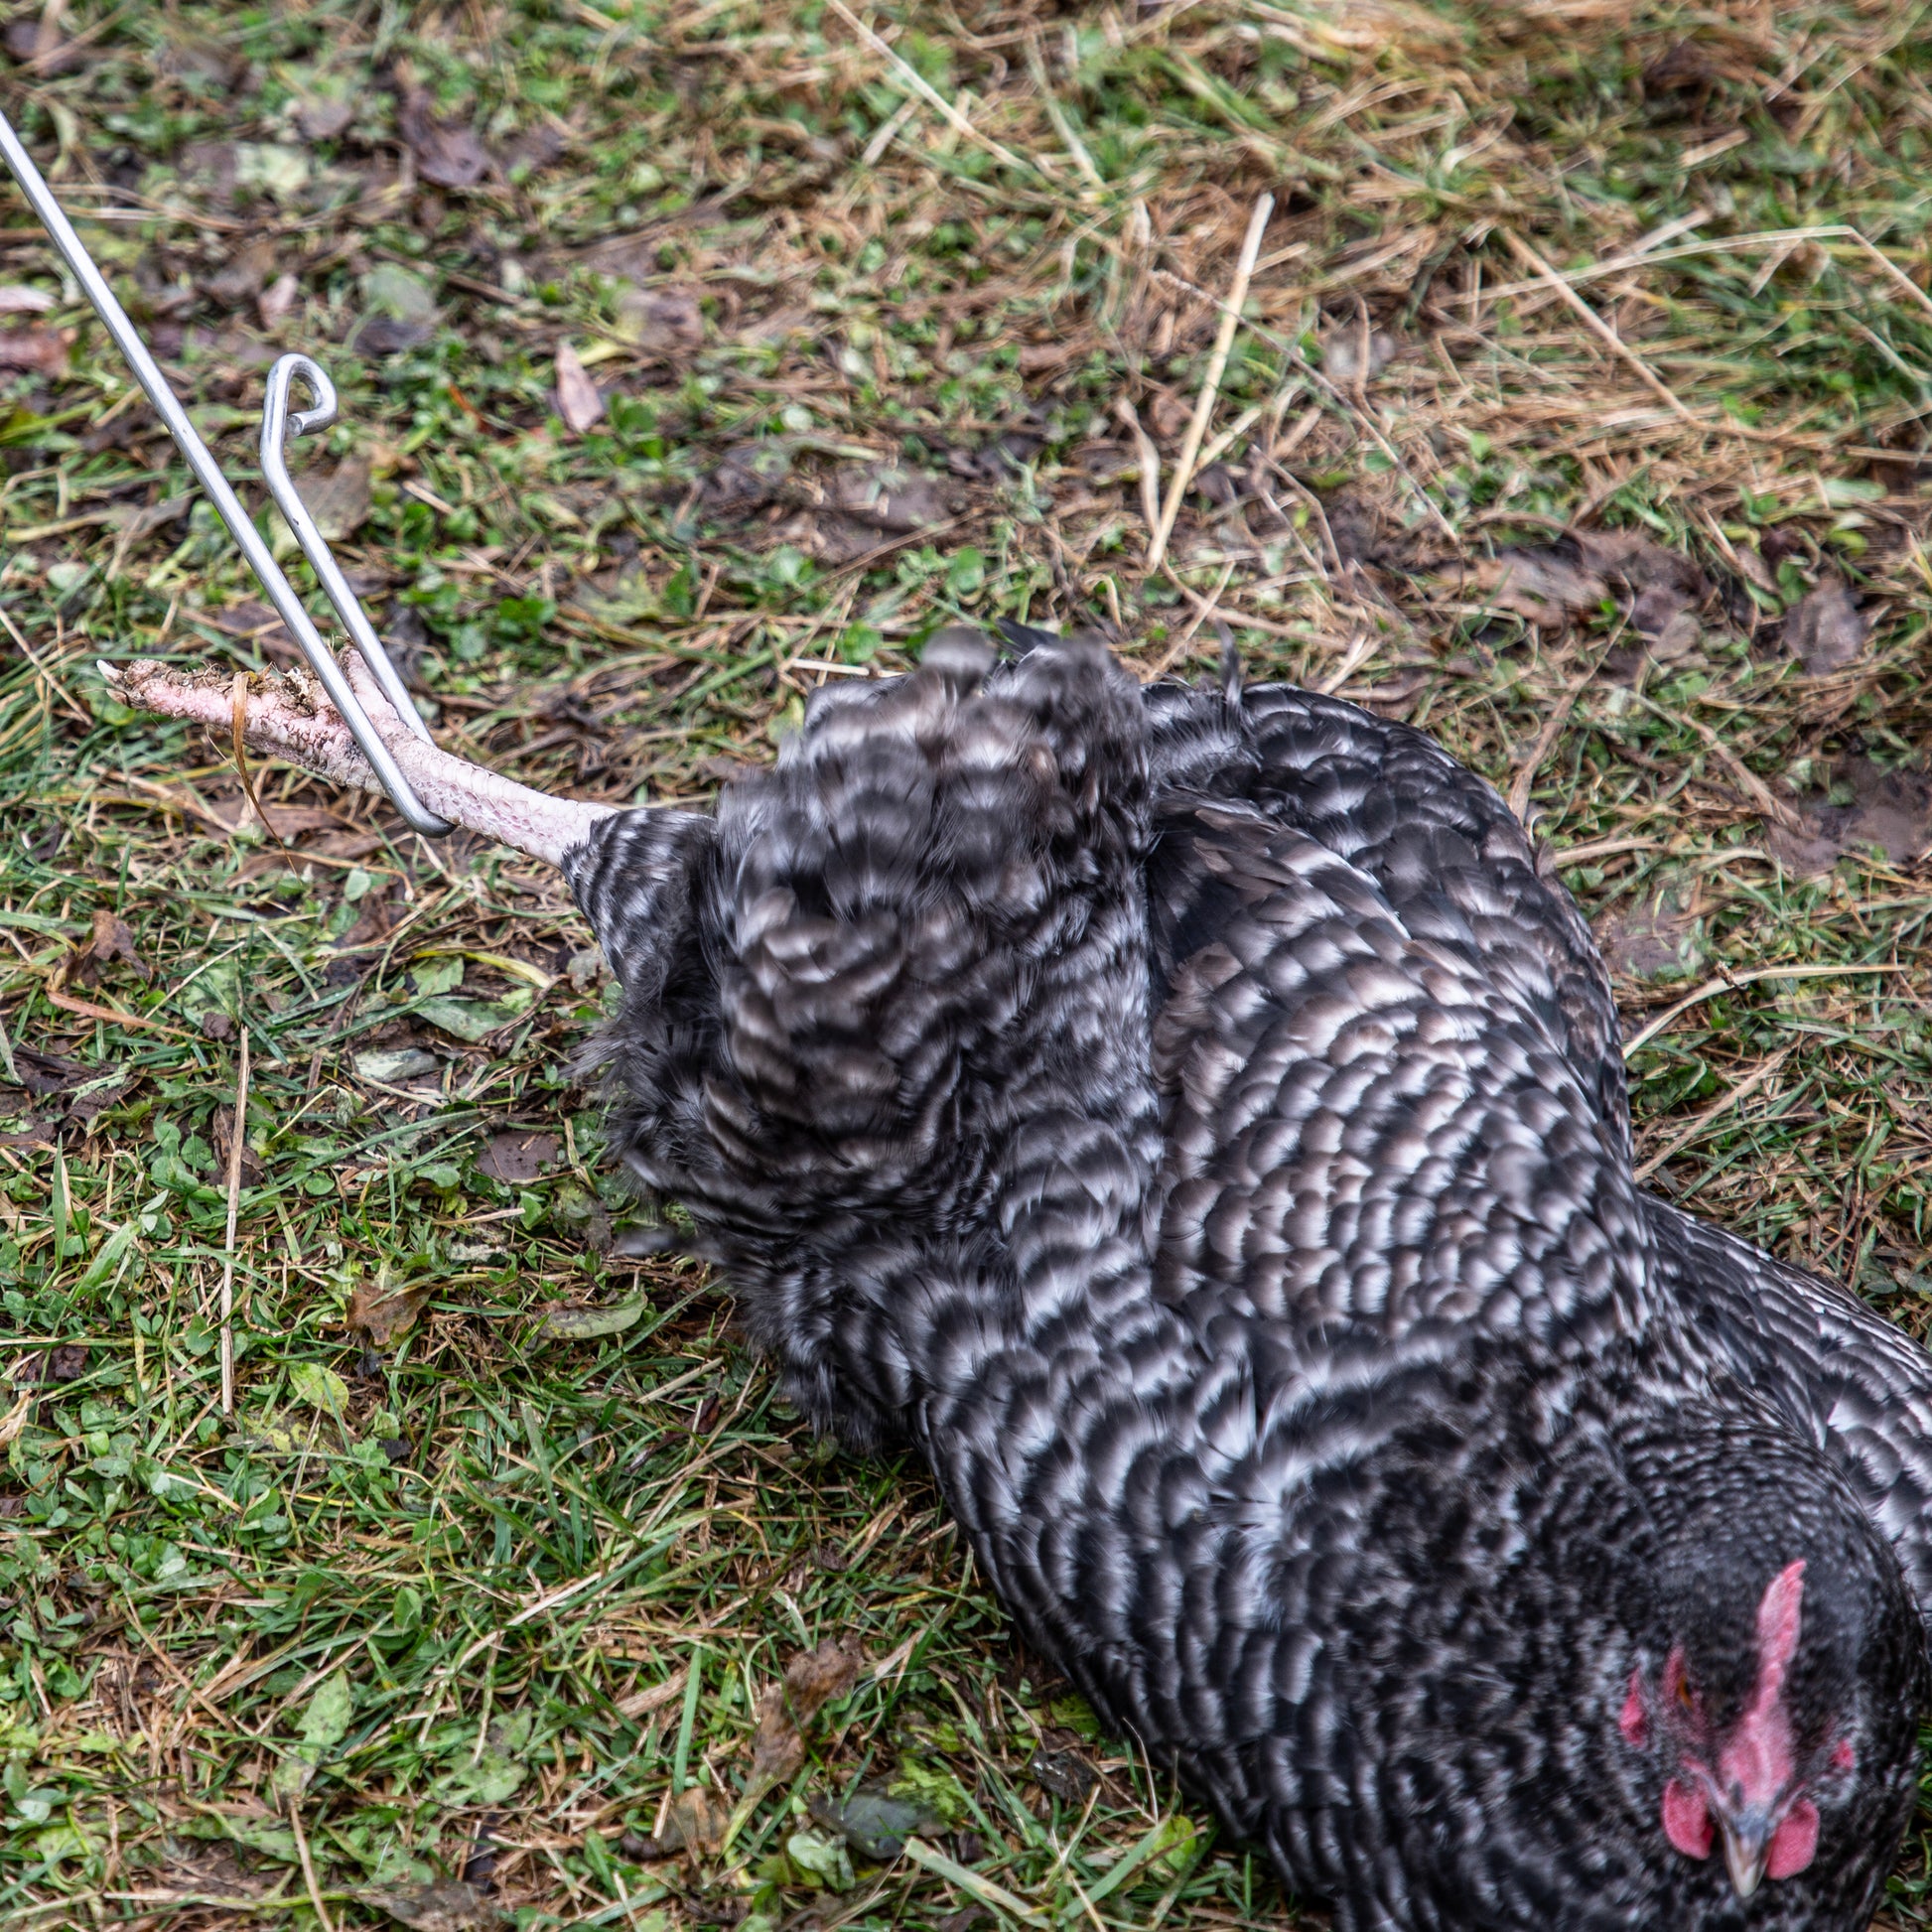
x=1631 y=1720
x=1795 y=1843
x=1687 y=1824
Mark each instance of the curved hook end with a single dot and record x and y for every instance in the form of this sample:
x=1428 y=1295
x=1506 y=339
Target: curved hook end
x=282 y=376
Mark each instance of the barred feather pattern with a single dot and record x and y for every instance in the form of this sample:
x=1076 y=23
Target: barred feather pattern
x=1216 y=1170
x=1455 y=862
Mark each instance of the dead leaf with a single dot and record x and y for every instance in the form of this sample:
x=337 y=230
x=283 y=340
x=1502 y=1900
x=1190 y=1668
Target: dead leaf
x=1061 y=1775
x=142 y=520
x=518 y=1154
x=579 y=402
x=448 y=154
x=888 y=496
x=534 y=149
x=748 y=475
x=245 y=276
x=321 y=120
x=231 y=811
x=874 y=1821
x=1219 y=484
x=223 y=1138
x=389 y=335
x=42 y=1073
x=1544 y=587
x=1636 y=562
x=278 y=299
x=1648 y=937
x=812 y=1680
x=1169 y=414
x=1036 y=359
x=1662 y=617
x=1887 y=808
x=1364 y=533
x=664 y=323
x=15 y=1420
x=640 y=1703
x=44 y=350
x=93 y=1101
x=67 y=1363
x=1751 y=566
x=1805 y=853
x=1890 y=809
x=255 y=621
x=696 y=1824
x=1666 y=589
x=340 y=500
x=1342 y=360
x=371 y=924
x=110 y=940
x=38 y=42
x=1684 y=67
x=592 y=1325
x=211 y=166
x=1824 y=629
x=441 y=1905
x=201 y=56
x=1550 y=585
x=383 y=1309
x=17 y=299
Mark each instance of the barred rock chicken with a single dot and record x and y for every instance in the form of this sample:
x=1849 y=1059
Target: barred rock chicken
x=1193 y=1120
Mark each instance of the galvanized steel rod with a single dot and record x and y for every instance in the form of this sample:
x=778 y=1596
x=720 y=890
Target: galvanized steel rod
x=228 y=505
x=279 y=421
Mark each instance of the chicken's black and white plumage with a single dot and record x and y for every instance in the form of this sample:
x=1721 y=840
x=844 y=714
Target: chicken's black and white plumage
x=1197 y=1122
x=1199 y=1125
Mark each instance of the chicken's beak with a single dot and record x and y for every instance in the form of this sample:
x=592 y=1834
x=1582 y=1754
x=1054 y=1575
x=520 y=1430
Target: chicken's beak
x=1748 y=1844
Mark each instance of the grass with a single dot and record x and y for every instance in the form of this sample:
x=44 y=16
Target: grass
x=488 y=1597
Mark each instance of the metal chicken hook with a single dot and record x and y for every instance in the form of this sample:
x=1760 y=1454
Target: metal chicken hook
x=277 y=423
x=280 y=421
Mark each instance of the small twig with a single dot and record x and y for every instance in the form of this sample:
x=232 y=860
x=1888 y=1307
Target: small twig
x=910 y=77
x=1228 y=437
x=1241 y=617
x=965 y=1879
x=1730 y=244
x=1600 y=329
x=308 y=1866
x=1730 y=982
x=1352 y=661
x=1710 y=425
x=1037 y=67
x=1725 y=1100
x=237 y=724
x=1519 y=790
x=236 y=1138
x=1594 y=849
x=1203 y=609
x=1763 y=801
x=1210 y=389
x=88 y=1009
x=1291 y=351
x=1149 y=464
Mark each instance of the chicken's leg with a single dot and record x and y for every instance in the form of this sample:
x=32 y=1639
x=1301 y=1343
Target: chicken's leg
x=285 y=715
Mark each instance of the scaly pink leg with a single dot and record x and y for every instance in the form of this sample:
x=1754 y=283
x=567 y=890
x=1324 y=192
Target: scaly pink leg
x=289 y=717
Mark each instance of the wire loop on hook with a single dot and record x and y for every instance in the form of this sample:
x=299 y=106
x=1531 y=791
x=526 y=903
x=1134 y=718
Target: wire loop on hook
x=278 y=422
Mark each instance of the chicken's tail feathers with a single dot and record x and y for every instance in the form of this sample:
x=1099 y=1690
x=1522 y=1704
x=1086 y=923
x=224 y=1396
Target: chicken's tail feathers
x=1231 y=680
x=1024 y=638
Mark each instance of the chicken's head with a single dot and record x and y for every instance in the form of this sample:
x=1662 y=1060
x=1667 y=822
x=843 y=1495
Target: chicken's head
x=1767 y=1707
